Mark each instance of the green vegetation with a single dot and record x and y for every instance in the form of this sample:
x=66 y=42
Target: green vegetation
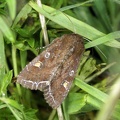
x=96 y=85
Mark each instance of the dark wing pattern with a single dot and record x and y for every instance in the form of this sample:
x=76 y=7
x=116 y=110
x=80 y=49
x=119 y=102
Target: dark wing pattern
x=53 y=71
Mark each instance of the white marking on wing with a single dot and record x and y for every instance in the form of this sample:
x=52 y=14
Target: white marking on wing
x=34 y=84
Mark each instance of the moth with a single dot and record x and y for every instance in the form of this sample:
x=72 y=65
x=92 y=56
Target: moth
x=53 y=70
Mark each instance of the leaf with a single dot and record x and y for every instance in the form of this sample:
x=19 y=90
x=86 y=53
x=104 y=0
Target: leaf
x=4 y=82
x=7 y=32
x=91 y=90
x=2 y=56
x=22 y=16
x=109 y=37
x=12 y=7
x=73 y=24
x=75 y=102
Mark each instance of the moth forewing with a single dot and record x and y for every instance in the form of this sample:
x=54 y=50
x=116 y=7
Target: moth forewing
x=53 y=71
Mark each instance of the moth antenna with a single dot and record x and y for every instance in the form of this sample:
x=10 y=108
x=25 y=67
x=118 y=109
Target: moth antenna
x=71 y=7
x=101 y=52
x=75 y=29
x=71 y=22
x=96 y=47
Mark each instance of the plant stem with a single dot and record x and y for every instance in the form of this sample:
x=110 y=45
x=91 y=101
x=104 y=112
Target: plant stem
x=15 y=67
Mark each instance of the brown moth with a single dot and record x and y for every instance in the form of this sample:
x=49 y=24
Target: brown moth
x=53 y=71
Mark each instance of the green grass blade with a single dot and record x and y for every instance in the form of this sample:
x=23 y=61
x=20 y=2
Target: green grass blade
x=2 y=53
x=73 y=24
x=12 y=103
x=107 y=40
x=6 y=31
x=91 y=90
x=12 y=7
x=4 y=82
x=22 y=15
x=73 y=6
